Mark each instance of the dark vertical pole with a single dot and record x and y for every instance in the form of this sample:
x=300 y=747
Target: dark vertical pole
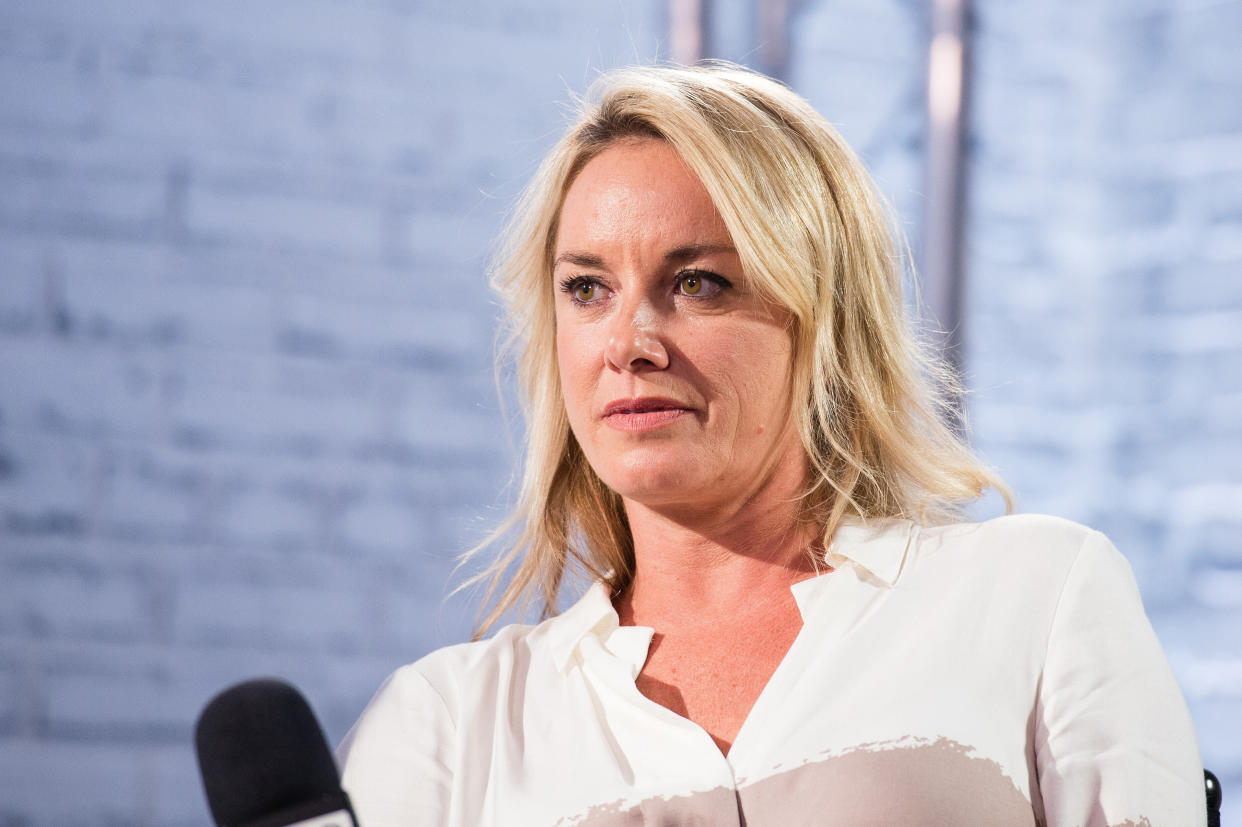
x=686 y=30
x=773 y=28
x=948 y=63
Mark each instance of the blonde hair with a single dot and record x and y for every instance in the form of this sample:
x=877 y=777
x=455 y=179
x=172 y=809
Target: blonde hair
x=814 y=237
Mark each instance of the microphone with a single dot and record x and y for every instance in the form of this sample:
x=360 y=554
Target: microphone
x=265 y=761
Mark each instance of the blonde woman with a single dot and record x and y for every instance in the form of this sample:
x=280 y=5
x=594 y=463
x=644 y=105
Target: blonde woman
x=733 y=434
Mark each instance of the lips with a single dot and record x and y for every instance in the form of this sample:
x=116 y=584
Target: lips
x=646 y=404
x=644 y=413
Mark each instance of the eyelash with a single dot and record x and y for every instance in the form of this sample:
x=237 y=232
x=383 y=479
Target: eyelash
x=572 y=283
x=705 y=275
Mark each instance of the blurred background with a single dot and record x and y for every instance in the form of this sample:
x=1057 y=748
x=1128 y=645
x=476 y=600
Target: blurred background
x=247 y=410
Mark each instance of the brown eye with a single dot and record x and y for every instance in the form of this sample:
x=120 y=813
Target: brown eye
x=701 y=284
x=584 y=290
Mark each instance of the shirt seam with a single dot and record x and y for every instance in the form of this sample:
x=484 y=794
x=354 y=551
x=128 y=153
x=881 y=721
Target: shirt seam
x=439 y=696
x=1064 y=587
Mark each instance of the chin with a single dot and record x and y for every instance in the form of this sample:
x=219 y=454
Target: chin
x=654 y=479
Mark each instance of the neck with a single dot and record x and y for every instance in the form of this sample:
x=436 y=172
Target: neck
x=705 y=563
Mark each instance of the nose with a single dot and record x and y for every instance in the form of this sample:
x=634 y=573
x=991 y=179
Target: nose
x=635 y=340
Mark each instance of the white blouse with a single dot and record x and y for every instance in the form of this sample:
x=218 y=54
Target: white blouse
x=1000 y=673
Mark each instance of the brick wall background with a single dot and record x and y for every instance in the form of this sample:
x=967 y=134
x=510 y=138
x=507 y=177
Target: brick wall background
x=247 y=415
x=1104 y=309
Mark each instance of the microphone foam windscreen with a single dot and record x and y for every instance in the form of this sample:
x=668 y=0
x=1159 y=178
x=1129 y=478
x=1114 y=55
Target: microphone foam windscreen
x=260 y=750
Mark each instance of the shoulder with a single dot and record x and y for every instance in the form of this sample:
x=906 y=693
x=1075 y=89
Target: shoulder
x=494 y=661
x=464 y=677
x=1029 y=559
x=442 y=689
x=1014 y=538
x=520 y=650
x=1014 y=528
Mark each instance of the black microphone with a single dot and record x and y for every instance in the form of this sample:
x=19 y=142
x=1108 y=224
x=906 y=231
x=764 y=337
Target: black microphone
x=265 y=762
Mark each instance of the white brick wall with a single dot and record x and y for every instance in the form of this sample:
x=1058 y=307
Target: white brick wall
x=246 y=406
x=247 y=416
x=1104 y=306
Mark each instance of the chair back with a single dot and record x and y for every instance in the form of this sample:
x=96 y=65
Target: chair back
x=1212 y=786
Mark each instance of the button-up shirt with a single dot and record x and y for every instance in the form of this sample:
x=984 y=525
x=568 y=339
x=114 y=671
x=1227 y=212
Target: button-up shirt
x=999 y=673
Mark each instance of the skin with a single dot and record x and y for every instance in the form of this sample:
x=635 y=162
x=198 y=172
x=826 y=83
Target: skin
x=653 y=303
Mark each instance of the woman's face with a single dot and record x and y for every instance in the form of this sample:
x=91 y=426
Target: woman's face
x=675 y=375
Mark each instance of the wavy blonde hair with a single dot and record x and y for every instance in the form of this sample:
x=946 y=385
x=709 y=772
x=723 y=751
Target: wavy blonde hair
x=814 y=237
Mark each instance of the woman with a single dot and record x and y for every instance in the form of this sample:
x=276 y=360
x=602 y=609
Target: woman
x=731 y=434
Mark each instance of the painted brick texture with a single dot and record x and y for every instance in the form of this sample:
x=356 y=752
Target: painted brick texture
x=1104 y=305
x=247 y=411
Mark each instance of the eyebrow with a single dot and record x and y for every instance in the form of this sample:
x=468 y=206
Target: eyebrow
x=686 y=252
x=689 y=252
x=580 y=259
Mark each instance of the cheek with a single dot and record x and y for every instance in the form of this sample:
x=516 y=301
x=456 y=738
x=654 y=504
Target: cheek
x=756 y=372
x=573 y=360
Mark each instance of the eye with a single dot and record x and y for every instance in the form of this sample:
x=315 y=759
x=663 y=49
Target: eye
x=583 y=290
x=701 y=284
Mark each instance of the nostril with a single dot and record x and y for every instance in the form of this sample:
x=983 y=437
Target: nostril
x=638 y=350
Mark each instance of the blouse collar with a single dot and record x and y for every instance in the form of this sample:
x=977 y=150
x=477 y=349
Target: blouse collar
x=874 y=549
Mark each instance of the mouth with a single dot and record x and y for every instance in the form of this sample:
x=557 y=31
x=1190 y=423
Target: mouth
x=643 y=414
x=646 y=404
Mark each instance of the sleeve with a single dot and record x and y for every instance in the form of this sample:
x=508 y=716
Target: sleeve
x=1114 y=741
x=398 y=758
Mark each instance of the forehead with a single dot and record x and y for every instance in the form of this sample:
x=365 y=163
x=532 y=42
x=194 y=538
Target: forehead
x=638 y=191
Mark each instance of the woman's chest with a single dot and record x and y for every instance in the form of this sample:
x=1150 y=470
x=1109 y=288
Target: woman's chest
x=863 y=752
x=714 y=678
x=840 y=732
